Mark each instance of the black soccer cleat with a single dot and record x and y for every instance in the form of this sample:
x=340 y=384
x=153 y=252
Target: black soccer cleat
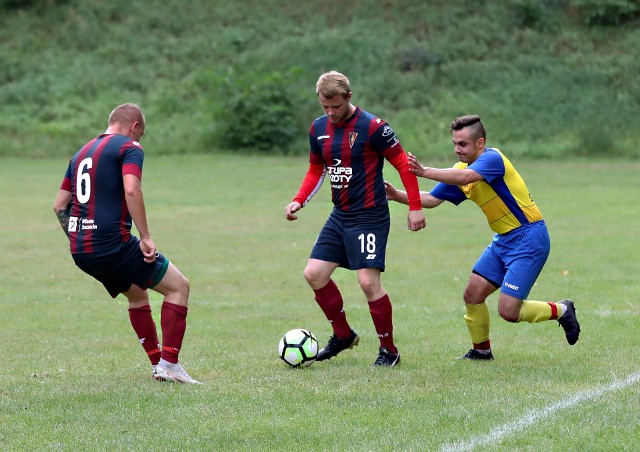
x=386 y=358
x=336 y=345
x=476 y=355
x=569 y=322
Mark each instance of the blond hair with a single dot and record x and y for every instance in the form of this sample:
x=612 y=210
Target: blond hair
x=333 y=83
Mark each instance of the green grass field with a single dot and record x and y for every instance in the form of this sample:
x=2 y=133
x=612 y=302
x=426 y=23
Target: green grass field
x=75 y=377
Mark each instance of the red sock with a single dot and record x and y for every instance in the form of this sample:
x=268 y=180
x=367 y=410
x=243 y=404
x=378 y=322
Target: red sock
x=174 y=323
x=381 y=313
x=330 y=301
x=486 y=345
x=144 y=326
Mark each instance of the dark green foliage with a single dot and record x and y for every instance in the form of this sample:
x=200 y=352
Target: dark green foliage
x=607 y=12
x=28 y=4
x=241 y=75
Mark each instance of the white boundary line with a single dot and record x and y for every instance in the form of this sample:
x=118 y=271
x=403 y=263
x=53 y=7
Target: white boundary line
x=533 y=416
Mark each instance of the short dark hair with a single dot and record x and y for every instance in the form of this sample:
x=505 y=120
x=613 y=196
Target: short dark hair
x=126 y=114
x=473 y=121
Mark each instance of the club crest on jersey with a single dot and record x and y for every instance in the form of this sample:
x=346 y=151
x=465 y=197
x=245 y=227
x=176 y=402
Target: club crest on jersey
x=352 y=138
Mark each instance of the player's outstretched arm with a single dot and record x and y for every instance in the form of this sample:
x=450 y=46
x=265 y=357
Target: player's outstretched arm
x=62 y=208
x=427 y=201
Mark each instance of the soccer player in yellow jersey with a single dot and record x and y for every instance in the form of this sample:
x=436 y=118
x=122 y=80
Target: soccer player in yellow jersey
x=520 y=247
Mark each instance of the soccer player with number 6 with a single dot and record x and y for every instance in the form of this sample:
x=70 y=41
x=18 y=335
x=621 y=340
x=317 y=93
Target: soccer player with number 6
x=349 y=146
x=100 y=195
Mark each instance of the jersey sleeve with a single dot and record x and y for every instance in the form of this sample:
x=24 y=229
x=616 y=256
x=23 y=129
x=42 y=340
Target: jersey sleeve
x=446 y=192
x=132 y=159
x=489 y=165
x=398 y=158
x=311 y=183
x=384 y=140
x=66 y=181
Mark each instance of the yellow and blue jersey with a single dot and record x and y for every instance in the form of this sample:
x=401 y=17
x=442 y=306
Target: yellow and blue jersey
x=501 y=194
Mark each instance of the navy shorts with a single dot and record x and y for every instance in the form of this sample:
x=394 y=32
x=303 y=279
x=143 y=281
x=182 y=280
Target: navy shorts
x=119 y=270
x=354 y=240
x=513 y=261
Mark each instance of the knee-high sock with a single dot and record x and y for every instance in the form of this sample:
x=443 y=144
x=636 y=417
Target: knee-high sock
x=537 y=311
x=478 y=324
x=382 y=315
x=330 y=301
x=173 y=321
x=144 y=326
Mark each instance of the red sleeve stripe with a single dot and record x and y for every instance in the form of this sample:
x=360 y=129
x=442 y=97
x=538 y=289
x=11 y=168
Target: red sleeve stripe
x=131 y=168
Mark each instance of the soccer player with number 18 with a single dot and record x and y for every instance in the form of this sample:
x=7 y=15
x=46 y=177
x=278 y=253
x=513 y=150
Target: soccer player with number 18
x=349 y=146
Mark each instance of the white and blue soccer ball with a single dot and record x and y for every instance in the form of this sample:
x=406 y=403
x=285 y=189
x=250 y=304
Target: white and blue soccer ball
x=298 y=348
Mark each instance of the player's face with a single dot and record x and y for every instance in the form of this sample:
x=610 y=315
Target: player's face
x=336 y=108
x=467 y=148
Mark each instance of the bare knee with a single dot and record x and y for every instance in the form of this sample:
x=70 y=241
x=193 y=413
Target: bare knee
x=371 y=290
x=369 y=280
x=508 y=314
x=185 y=286
x=313 y=278
x=472 y=297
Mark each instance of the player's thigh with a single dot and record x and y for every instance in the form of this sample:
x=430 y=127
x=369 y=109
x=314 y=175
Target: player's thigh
x=173 y=281
x=509 y=307
x=329 y=245
x=478 y=289
x=490 y=266
x=137 y=297
x=524 y=260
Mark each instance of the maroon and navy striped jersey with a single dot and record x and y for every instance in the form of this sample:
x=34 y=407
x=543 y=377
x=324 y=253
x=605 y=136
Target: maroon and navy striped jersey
x=351 y=155
x=99 y=221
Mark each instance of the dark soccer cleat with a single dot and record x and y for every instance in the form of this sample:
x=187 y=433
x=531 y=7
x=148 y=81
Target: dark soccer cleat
x=336 y=345
x=476 y=355
x=386 y=358
x=569 y=322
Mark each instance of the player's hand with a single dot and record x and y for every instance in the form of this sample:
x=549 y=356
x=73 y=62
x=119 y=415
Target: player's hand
x=148 y=249
x=416 y=220
x=292 y=208
x=415 y=166
x=391 y=191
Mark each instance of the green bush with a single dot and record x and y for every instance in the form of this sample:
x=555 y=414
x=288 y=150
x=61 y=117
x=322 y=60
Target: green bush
x=607 y=12
x=258 y=110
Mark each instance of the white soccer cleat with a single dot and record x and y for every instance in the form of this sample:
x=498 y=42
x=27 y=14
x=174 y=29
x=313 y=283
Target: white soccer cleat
x=167 y=371
x=156 y=376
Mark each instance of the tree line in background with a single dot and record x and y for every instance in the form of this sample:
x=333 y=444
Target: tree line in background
x=551 y=78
